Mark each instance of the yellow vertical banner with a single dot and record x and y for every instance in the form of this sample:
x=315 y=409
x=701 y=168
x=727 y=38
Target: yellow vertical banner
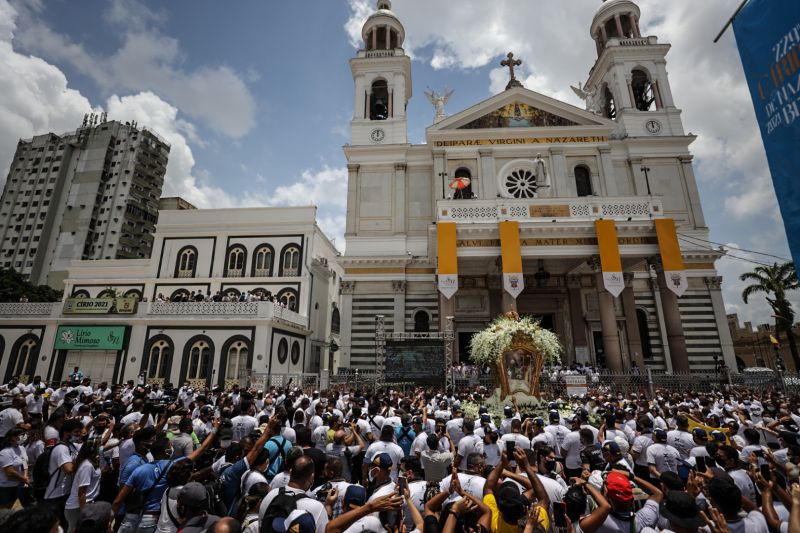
x=610 y=261
x=447 y=258
x=511 y=251
x=671 y=258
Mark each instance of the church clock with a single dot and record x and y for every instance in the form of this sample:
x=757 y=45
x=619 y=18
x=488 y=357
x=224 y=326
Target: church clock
x=653 y=127
x=377 y=135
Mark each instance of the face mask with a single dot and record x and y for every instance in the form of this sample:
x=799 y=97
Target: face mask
x=225 y=443
x=23 y=438
x=74 y=439
x=168 y=453
x=550 y=466
x=372 y=474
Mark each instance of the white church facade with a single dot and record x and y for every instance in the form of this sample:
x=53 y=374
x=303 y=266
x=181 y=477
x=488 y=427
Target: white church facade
x=589 y=219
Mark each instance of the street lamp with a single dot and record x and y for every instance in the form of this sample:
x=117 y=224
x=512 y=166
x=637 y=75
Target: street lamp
x=647 y=179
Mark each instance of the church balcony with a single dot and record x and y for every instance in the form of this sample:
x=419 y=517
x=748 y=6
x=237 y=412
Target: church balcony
x=381 y=53
x=582 y=209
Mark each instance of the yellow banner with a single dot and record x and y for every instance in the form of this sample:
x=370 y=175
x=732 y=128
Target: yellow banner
x=510 y=247
x=609 y=246
x=671 y=259
x=694 y=424
x=446 y=247
x=513 y=280
x=668 y=244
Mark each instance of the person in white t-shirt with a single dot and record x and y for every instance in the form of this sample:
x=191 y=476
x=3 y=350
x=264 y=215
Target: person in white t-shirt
x=11 y=417
x=384 y=445
x=301 y=479
x=13 y=468
x=661 y=457
x=726 y=496
x=85 y=483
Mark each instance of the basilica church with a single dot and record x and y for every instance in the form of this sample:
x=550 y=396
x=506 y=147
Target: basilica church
x=588 y=219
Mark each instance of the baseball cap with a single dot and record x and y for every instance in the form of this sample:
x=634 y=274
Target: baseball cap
x=354 y=496
x=416 y=420
x=483 y=410
x=298 y=521
x=681 y=510
x=193 y=495
x=538 y=421
x=718 y=436
x=660 y=435
x=554 y=415
x=510 y=502
x=485 y=418
x=94 y=517
x=611 y=447
x=618 y=487
x=382 y=460
x=507 y=410
x=700 y=433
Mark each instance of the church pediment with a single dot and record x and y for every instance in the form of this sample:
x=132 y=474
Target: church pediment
x=517 y=115
x=520 y=108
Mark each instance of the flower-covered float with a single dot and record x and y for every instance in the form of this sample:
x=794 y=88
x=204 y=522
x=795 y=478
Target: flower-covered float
x=516 y=348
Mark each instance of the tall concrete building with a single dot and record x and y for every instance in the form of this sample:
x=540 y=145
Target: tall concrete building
x=88 y=194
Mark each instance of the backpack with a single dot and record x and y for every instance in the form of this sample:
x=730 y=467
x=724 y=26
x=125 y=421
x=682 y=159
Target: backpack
x=41 y=472
x=277 y=459
x=405 y=433
x=216 y=505
x=280 y=507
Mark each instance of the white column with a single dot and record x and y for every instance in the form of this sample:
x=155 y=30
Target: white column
x=399 y=289
x=714 y=284
x=360 y=96
x=663 y=84
x=558 y=174
x=399 y=215
x=609 y=180
x=352 y=199
x=347 y=288
x=399 y=95
x=487 y=174
x=694 y=192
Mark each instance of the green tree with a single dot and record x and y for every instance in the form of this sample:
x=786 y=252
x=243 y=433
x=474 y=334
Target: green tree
x=13 y=286
x=775 y=281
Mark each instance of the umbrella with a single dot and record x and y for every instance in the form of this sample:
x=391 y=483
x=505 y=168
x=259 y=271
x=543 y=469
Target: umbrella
x=460 y=183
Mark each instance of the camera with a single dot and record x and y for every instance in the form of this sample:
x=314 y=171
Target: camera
x=322 y=493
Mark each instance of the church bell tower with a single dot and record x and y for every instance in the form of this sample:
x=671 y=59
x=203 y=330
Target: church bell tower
x=382 y=75
x=629 y=81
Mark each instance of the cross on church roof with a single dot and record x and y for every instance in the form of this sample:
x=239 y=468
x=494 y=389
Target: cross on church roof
x=511 y=63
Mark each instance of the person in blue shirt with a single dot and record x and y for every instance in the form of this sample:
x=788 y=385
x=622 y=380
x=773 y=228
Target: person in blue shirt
x=278 y=446
x=405 y=435
x=232 y=476
x=143 y=440
x=150 y=480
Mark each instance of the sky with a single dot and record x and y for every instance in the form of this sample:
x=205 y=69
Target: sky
x=255 y=96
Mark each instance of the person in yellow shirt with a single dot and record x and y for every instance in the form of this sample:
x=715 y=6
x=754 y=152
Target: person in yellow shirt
x=508 y=504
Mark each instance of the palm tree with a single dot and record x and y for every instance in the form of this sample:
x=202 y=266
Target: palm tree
x=775 y=281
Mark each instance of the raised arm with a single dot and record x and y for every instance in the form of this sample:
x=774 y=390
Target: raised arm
x=206 y=442
x=655 y=494
x=390 y=502
x=494 y=476
x=273 y=427
x=538 y=489
x=592 y=522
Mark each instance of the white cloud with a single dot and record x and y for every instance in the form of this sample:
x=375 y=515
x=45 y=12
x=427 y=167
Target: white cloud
x=35 y=95
x=147 y=60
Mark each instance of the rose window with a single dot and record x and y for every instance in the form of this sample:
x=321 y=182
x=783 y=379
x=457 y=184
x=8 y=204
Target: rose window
x=521 y=183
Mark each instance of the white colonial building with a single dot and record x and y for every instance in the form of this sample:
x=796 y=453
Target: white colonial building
x=113 y=325
x=598 y=207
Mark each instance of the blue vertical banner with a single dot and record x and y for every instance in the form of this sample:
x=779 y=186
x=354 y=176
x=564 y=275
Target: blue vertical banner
x=768 y=35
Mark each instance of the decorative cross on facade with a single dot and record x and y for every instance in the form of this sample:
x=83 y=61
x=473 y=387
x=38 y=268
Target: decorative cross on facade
x=511 y=63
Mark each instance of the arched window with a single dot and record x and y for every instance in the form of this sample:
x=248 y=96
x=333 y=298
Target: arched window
x=583 y=180
x=335 y=320
x=295 y=352
x=262 y=261
x=462 y=184
x=107 y=293
x=237 y=360
x=643 y=94
x=199 y=360
x=283 y=351
x=158 y=359
x=133 y=293
x=234 y=293
x=288 y=297
x=234 y=266
x=80 y=294
x=187 y=262
x=26 y=357
x=290 y=261
x=379 y=100
x=422 y=321
x=610 y=104
x=644 y=334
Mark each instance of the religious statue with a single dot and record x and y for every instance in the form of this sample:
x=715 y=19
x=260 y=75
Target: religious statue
x=540 y=171
x=438 y=101
x=594 y=101
x=510 y=62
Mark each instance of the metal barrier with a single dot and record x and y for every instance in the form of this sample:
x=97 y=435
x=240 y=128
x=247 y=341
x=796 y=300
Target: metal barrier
x=262 y=381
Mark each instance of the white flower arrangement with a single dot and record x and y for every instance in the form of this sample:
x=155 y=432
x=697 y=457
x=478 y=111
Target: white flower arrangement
x=489 y=344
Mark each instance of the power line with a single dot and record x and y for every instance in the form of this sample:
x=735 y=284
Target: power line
x=742 y=249
x=732 y=256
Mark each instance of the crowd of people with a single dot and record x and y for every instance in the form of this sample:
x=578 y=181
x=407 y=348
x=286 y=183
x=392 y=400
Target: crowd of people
x=89 y=459
x=219 y=296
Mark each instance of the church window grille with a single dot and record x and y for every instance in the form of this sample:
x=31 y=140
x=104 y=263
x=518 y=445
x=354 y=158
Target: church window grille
x=583 y=181
x=643 y=94
x=379 y=100
x=199 y=357
x=289 y=299
x=611 y=105
x=520 y=183
x=335 y=320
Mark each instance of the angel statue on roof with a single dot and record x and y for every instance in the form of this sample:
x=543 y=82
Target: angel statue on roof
x=438 y=101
